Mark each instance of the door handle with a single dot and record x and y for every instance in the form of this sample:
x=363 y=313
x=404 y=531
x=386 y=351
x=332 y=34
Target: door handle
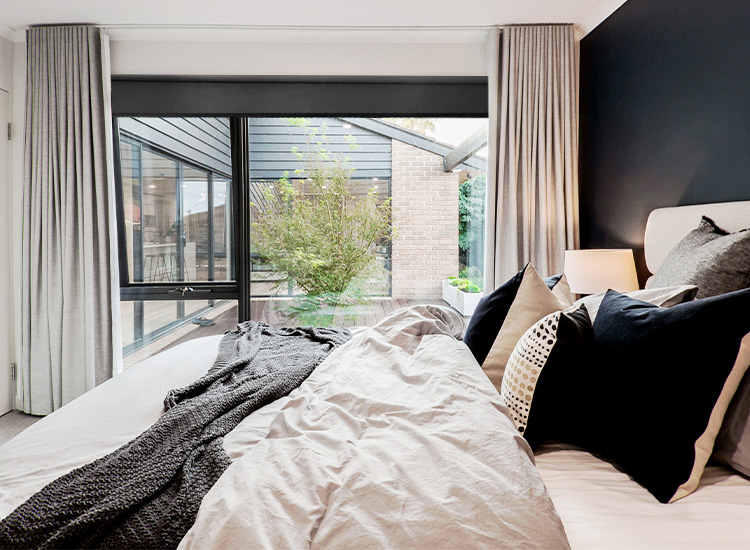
x=185 y=289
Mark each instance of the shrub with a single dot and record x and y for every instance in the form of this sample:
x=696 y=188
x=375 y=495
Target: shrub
x=474 y=275
x=471 y=207
x=324 y=238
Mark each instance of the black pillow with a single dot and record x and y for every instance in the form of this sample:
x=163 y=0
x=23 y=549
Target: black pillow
x=490 y=313
x=550 y=356
x=663 y=381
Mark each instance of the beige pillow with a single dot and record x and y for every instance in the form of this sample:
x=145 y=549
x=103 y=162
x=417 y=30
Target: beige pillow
x=533 y=301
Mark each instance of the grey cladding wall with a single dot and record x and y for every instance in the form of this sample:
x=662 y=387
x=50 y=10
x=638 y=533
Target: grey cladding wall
x=201 y=140
x=205 y=142
x=273 y=139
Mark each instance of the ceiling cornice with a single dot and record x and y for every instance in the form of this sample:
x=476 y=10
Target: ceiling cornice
x=300 y=34
x=596 y=17
x=285 y=34
x=7 y=32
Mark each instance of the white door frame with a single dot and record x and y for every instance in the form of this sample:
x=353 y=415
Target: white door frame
x=6 y=308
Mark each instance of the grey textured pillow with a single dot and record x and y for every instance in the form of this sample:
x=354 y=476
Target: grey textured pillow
x=715 y=261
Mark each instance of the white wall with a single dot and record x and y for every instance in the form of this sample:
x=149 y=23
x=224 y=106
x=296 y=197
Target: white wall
x=6 y=64
x=300 y=58
x=6 y=303
x=17 y=100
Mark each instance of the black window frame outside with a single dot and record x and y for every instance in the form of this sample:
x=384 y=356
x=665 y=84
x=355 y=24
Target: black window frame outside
x=241 y=97
x=211 y=176
x=136 y=290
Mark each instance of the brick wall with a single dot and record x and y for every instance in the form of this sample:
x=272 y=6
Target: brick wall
x=425 y=215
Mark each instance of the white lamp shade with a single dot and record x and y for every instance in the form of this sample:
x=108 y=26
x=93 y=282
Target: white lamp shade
x=593 y=271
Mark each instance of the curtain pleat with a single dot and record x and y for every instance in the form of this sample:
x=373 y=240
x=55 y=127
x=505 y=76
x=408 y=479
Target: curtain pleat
x=69 y=300
x=532 y=191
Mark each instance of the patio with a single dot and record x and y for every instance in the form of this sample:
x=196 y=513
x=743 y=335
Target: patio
x=262 y=310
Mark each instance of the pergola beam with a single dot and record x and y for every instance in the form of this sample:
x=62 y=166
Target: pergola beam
x=466 y=148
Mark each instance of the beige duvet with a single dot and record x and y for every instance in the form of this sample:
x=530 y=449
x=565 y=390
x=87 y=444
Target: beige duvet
x=398 y=440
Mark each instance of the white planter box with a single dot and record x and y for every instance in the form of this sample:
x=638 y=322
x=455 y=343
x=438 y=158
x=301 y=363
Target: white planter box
x=463 y=302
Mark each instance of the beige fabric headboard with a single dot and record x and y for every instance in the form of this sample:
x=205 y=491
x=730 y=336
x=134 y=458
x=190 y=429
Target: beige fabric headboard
x=667 y=226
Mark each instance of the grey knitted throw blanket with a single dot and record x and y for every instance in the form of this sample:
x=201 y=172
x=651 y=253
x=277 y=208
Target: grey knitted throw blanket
x=147 y=493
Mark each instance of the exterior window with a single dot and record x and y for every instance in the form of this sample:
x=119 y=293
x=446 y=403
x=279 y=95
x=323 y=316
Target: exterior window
x=339 y=221
x=177 y=223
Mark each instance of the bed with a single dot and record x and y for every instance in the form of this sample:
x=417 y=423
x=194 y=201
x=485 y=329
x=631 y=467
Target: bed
x=601 y=507
x=431 y=455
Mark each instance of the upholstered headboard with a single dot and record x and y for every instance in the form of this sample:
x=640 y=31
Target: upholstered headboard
x=667 y=226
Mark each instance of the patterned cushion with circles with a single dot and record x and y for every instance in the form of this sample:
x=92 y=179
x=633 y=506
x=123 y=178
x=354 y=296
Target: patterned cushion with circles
x=550 y=354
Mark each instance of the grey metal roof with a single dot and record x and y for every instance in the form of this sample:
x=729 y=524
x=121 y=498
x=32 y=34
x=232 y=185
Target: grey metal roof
x=417 y=140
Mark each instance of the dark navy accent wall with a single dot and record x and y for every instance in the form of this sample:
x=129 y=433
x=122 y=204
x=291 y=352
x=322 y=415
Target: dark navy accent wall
x=664 y=114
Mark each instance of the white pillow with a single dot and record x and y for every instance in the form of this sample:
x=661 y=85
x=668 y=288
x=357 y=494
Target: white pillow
x=662 y=297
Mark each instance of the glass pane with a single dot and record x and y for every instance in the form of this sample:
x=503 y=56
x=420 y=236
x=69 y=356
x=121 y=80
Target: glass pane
x=159 y=314
x=176 y=183
x=160 y=180
x=194 y=306
x=160 y=324
x=130 y=158
x=195 y=226
x=353 y=218
x=222 y=249
x=127 y=322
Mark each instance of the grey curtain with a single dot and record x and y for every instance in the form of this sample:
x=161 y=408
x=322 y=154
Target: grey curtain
x=70 y=318
x=532 y=176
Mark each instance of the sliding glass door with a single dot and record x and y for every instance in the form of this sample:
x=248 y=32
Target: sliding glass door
x=177 y=226
x=350 y=206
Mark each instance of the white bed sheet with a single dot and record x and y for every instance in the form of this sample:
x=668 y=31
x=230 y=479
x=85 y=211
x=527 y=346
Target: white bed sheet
x=97 y=423
x=602 y=507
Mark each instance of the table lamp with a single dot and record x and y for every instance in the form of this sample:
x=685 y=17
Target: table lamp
x=597 y=270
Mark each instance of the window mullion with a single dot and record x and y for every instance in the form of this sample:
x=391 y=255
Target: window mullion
x=238 y=129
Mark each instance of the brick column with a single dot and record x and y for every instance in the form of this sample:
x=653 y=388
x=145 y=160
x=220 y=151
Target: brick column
x=425 y=215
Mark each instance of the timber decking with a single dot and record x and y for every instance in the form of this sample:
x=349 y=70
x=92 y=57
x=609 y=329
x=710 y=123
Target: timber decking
x=263 y=310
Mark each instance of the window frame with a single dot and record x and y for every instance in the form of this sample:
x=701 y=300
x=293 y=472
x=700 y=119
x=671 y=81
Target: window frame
x=137 y=290
x=240 y=97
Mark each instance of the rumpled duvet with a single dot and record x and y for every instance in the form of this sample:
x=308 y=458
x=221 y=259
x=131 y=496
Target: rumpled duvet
x=397 y=440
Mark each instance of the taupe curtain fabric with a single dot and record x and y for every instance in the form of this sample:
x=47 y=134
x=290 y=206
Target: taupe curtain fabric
x=70 y=325
x=532 y=177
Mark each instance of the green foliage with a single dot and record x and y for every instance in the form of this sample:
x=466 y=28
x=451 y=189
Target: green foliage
x=463 y=284
x=318 y=232
x=471 y=198
x=474 y=275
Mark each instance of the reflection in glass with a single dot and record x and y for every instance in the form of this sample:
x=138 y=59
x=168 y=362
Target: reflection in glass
x=178 y=218
x=160 y=318
x=222 y=243
x=160 y=226
x=194 y=247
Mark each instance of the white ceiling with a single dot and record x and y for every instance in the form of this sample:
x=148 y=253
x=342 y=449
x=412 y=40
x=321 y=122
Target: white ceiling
x=285 y=16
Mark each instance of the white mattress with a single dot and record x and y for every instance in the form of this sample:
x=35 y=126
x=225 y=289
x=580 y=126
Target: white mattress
x=603 y=508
